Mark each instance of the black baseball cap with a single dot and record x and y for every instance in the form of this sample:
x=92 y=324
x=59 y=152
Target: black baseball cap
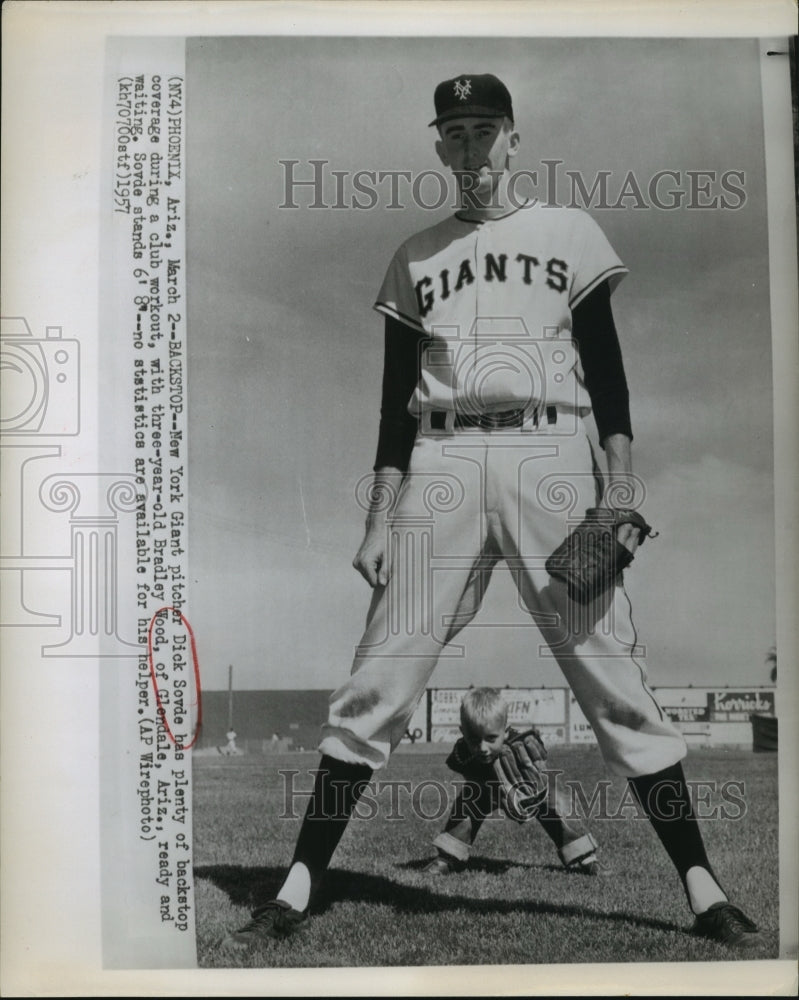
x=472 y=95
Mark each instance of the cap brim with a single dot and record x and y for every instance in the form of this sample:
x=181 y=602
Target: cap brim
x=469 y=111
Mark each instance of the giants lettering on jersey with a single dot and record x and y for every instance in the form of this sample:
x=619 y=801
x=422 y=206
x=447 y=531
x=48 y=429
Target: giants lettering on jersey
x=522 y=268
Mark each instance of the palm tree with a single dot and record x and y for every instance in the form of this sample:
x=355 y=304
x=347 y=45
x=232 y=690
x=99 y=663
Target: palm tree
x=771 y=661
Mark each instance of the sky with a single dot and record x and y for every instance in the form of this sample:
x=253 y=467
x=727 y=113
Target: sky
x=286 y=352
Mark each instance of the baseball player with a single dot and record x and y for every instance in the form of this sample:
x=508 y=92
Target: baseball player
x=499 y=342
x=504 y=769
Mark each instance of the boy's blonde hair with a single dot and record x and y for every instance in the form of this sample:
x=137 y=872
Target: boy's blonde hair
x=482 y=705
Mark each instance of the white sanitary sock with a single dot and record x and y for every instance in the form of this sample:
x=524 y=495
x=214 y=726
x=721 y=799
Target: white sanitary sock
x=296 y=890
x=703 y=890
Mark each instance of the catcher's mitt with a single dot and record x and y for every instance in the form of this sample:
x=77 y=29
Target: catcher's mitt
x=521 y=782
x=591 y=557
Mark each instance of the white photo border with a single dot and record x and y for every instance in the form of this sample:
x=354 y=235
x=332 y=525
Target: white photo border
x=53 y=69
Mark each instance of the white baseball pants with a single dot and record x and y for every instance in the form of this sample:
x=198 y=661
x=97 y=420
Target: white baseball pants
x=470 y=498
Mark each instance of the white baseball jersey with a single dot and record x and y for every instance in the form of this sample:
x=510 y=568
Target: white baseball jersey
x=496 y=298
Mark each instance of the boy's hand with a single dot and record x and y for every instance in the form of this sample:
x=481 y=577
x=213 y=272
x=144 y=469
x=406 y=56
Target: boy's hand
x=523 y=786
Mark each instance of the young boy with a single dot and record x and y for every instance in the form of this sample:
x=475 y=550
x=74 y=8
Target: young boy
x=486 y=734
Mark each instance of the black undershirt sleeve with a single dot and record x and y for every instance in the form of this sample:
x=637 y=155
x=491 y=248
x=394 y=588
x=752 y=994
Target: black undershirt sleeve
x=401 y=367
x=603 y=369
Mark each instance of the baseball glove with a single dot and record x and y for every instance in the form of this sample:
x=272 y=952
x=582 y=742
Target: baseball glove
x=591 y=557
x=521 y=782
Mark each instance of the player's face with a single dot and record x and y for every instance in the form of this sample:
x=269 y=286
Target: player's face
x=478 y=151
x=484 y=739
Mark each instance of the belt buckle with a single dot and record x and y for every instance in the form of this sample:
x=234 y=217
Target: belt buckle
x=507 y=419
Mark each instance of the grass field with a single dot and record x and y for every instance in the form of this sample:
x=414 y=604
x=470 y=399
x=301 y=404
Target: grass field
x=515 y=904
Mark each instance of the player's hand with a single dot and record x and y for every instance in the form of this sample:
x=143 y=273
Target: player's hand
x=619 y=459
x=629 y=536
x=372 y=560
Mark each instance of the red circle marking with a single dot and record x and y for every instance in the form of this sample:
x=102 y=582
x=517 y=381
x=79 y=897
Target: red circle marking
x=195 y=664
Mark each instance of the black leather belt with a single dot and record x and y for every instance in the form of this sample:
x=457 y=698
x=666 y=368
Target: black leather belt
x=498 y=420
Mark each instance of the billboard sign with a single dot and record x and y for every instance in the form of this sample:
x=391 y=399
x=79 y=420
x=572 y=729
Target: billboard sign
x=736 y=705
x=526 y=706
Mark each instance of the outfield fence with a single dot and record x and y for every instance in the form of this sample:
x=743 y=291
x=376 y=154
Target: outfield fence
x=708 y=716
x=279 y=721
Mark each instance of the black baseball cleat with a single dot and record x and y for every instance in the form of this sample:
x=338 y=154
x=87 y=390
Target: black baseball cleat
x=272 y=921
x=443 y=866
x=728 y=925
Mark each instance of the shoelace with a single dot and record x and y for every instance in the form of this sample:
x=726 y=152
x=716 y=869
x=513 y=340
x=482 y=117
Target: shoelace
x=263 y=915
x=734 y=919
